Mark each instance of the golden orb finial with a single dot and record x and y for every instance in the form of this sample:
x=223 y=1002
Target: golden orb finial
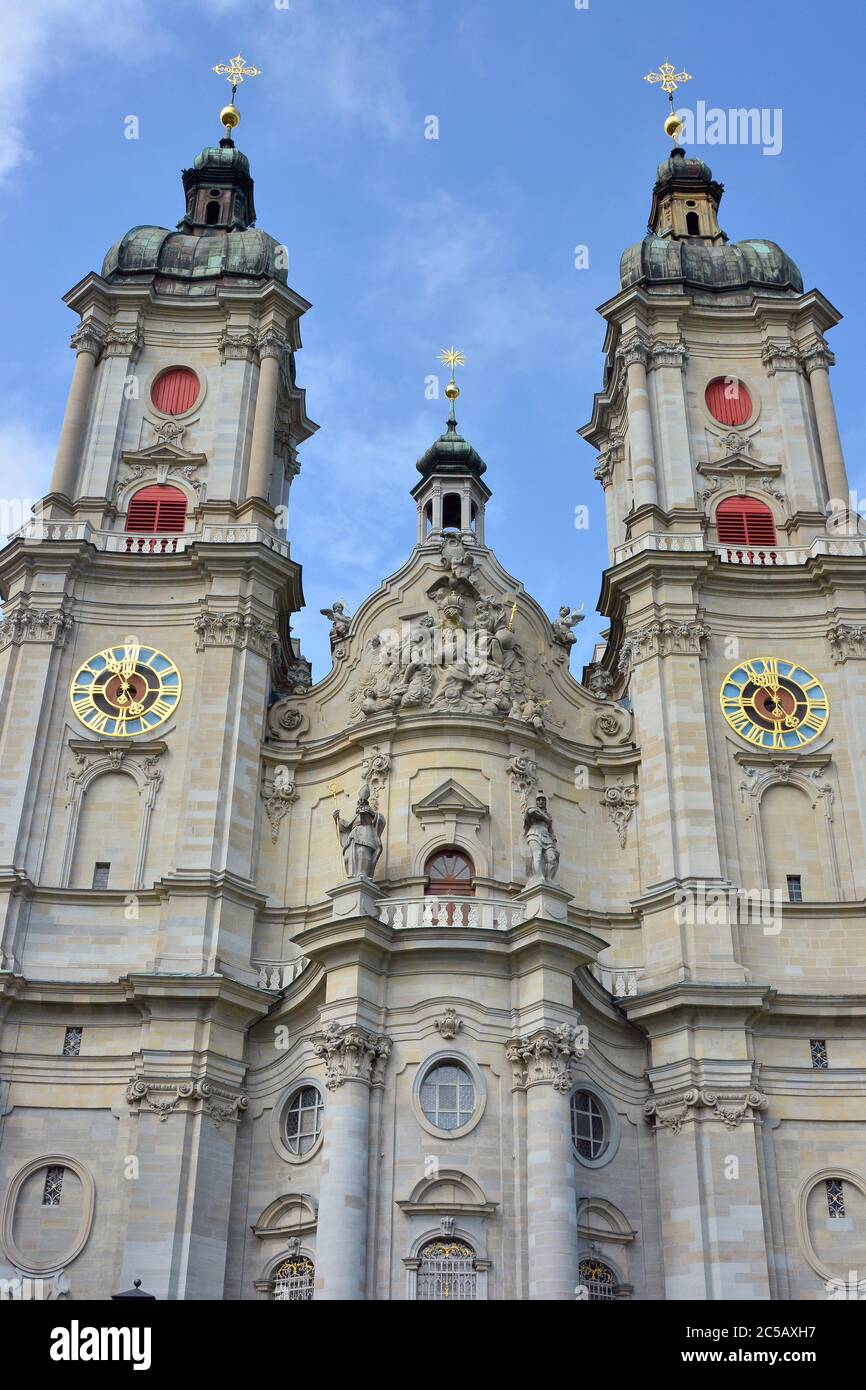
x=234 y=72
x=452 y=357
x=669 y=79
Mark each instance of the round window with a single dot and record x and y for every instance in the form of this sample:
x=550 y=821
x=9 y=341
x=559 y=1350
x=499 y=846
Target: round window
x=728 y=401
x=175 y=391
x=303 y=1120
x=447 y=1096
x=589 y=1131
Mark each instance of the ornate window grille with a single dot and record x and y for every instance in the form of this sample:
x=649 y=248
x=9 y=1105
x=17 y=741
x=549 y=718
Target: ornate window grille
x=818 y=1048
x=53 y=1188
x=588 y=1127
x=294 y=1279
x=447 y=1271
x=835 y=1197
x=447 y=1096
x=72 y=1042
x=599 y=1280
x=304 y=1120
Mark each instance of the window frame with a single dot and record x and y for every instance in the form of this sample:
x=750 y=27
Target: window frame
x=319 y=1110
x=611 y=1120
x=175 y=367
x=441 y=1058
x=277 y=1125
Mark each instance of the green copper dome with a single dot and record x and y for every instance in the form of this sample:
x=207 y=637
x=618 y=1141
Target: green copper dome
x=731 y=266
x=215 y=239
x=451 y=453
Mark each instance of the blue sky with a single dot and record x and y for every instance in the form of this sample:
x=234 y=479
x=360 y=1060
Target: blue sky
x=548 y=138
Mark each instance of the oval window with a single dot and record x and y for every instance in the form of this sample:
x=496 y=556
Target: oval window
x=728 y=401
x=175 y=391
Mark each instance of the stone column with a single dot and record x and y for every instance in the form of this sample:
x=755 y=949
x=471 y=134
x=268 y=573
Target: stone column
x=87 y=342
x=355 y=1060
x=817 y=361
x=542 y=1065
x=271 y=349
x=635 y=355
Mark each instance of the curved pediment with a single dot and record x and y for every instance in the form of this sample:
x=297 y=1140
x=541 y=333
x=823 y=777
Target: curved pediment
x=448 y=1192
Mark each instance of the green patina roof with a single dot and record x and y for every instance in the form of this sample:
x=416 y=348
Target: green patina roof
x=191 y=258
x=451 y=453
x=222 y=157
x=734 y=265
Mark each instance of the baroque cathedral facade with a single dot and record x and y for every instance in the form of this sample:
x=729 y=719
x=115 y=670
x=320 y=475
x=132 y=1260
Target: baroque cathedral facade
x=449 y=975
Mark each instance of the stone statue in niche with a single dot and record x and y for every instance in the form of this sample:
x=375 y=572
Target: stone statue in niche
x=361 y=837
x=540 y=840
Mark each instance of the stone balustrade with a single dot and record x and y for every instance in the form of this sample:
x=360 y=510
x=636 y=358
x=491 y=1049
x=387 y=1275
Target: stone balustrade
x=486 y=914
x=280 y=974
x=622 y=982
x=767 y=556
x=153 y=543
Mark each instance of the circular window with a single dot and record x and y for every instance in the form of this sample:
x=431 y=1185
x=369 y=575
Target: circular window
x=448 y=1096
x=303 y=1120
x=728 y=401
x=175 y=391
x=589 y=1130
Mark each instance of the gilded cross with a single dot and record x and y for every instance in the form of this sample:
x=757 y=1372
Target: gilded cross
x=668 y=78
x=236 y=71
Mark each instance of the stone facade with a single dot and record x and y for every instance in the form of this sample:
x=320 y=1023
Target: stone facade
x=569 y=1032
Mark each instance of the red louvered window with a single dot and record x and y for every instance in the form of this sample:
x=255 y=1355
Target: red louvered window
x=175 y=391
x=157 y=508
x=728 y=401
x=745 y=521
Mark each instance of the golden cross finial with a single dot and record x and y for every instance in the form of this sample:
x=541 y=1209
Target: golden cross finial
x=236 y=71
x=669 y=80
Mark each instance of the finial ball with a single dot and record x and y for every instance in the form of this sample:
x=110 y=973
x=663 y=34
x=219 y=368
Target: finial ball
x=452 y=390
x=673 y=125
x=230 y=117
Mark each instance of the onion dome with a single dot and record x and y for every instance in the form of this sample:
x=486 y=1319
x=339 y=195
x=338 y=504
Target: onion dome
x=451 y=453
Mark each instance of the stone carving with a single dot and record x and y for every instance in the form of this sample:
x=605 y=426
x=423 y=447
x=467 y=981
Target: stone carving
x=374 y=770
x=523 y=771
x=540 y=841
x=166 y=1097
x=340 y=624
x=450 y=602
x=449 y=1025
x=663 y=639
x=351 y=1054
x=612 y=724
x=674 y=1109
x=123 y=342
x=361 y=837
x=35 y=625
x=234 y=630
x=766 y=485
x=562 y=633
x=668 y=354
x=634 y=350
x=168 y=431
x=600 y=682
x=817 y=356
x=28 y=1288
x=847 y=642
x=608 y=458
x=285 y=721
x=273 y=344
x=88 y=337
x=279 y=793
x=620 y=801
x=780 y=357
x=457 y=557
x=446 y=1226
x=239 y=347
x=547 y=1056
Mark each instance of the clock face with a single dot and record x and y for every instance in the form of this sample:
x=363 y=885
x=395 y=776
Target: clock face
x=126 y=690
x=773 y=703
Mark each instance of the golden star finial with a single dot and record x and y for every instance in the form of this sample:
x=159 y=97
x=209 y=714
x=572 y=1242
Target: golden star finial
x=452 y=357
x=669 y=80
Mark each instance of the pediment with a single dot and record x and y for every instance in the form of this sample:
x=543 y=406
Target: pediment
x=740 y=463
x=293 y=1214
x=450 y=1192
x=163 y=452
x=452 y=800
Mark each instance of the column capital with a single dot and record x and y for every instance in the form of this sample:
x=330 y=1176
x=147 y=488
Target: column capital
x=88 y=337
x=546 y=1056
x=780 y=357
x=272 y=344
x=817 y=356
x=173 y=1095
x=351 y=1053
x=123 y=342
x=634 y=350
x=673 y=1109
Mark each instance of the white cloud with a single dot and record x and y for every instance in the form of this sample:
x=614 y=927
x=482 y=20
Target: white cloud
x=26 y=458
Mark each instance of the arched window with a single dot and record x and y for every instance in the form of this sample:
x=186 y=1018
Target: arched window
x=450 y=874
x=728 y=401
x=159 y=507
x=212 y=214
x=745 y=521
x=447 y=1270
x=451 y=511
x=175 y=391
x=294 y=1279
x=693 y=224
x=598 y=1279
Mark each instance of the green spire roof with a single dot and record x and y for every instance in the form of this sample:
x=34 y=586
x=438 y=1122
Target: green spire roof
x=451 y=453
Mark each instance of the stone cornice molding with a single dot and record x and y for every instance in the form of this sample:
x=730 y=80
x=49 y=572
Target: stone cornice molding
x=239 y=630
x=351 y=1053
x=546 y=1057
x=847 y=642
x=666 y=638
x=171 y=1096
x=35 y=625
x=674 y=1109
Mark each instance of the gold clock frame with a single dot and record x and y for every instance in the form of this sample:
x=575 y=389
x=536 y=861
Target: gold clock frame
x=122 y=660
x=767 y=673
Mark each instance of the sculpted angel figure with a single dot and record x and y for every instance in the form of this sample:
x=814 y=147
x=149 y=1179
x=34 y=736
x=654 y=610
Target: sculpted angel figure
x=540 y=840
x=562 y=625
x=340 y=622
x=361 y=837
x=456 y=556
